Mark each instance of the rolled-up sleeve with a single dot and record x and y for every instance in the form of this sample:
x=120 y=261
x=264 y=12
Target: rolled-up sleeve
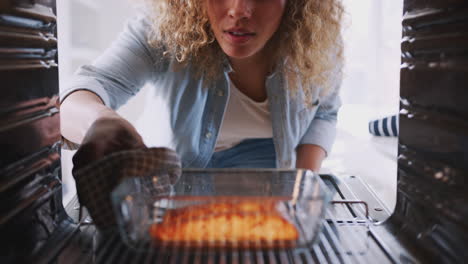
x=322 y=129
x=123 y=69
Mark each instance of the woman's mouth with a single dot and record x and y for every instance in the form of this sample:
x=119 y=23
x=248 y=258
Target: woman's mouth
x=239 y=37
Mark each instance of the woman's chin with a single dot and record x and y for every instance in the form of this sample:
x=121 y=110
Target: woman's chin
x=239 y=53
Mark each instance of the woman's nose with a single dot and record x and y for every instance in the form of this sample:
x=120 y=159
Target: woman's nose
x=239 y=9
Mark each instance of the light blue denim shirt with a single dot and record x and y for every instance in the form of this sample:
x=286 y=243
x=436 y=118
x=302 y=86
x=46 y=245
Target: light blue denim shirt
x=196 y=112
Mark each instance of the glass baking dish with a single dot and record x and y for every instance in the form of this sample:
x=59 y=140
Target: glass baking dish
x=221 y=208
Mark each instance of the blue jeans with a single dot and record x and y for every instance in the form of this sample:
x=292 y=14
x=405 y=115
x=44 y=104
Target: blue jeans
x=250 y=153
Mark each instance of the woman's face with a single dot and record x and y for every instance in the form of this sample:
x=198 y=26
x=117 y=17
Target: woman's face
x=243 y=27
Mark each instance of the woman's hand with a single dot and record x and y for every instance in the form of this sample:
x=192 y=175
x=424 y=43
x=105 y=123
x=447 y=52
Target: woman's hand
x=105 y=136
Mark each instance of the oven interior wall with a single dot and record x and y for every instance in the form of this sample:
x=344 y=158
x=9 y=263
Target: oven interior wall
x=433 y=142
x=30 y=181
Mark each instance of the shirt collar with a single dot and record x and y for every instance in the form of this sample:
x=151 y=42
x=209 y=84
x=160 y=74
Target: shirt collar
x=227 y=67
x=226 y=64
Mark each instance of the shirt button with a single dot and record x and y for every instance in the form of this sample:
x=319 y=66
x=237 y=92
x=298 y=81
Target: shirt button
x=208 y=135
x=220 y=93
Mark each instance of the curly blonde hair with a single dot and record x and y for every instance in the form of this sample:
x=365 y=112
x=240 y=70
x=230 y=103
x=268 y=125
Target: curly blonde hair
x=307 y=40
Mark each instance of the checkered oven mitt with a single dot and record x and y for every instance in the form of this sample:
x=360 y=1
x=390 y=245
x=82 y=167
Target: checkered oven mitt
x=96 y=181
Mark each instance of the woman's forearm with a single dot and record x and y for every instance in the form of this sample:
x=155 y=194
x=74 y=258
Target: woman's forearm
x=310 y=157
x=78 y=112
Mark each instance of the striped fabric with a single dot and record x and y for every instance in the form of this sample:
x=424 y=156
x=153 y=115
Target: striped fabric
x=387 y=127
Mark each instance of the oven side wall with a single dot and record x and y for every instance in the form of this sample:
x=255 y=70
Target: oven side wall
x=30 y=180
x=432 y=198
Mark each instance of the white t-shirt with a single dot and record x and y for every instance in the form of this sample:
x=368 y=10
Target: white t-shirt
x=244 y=118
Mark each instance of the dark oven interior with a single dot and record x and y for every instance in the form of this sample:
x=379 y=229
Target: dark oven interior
x=428 y=224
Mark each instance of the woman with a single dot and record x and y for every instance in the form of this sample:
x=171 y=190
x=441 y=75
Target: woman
x=248 y=83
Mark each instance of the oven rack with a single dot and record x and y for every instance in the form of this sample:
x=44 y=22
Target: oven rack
x=347 y=236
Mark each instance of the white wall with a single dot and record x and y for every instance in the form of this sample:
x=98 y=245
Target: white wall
x=370 y=90
x=85 y=29
x=372 y=38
